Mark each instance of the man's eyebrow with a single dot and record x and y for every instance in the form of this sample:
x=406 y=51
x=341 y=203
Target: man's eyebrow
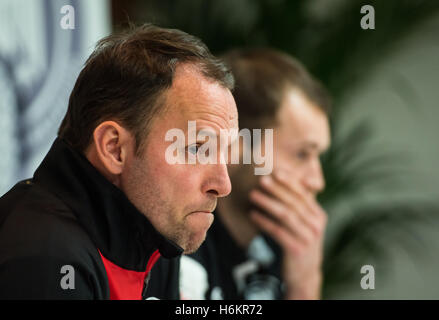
x=309 y=145
x=314 y=146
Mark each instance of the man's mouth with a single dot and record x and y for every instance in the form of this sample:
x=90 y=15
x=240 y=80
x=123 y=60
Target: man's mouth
x=205 y=208
x=203 y=211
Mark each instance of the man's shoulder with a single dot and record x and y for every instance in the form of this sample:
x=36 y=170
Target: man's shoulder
x=34 y=221
x=28 y=196
x=40 y=238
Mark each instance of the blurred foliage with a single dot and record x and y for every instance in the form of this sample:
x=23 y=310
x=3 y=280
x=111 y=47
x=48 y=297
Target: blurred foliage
x=345 y=174
x=326 y=36
x=400 y=241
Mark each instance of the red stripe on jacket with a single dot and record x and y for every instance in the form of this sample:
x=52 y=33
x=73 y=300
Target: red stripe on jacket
x=127 y=284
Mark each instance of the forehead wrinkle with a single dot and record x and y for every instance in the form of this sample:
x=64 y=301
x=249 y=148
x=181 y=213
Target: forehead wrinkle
x=212 y=117
x=210 y=110
x=198 y=111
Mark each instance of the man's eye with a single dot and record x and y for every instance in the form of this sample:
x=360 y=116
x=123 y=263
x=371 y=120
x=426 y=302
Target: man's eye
x=302 y=155
x=193 y=148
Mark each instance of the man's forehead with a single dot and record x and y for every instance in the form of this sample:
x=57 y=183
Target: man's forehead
x=194 y=97
x=303 y=123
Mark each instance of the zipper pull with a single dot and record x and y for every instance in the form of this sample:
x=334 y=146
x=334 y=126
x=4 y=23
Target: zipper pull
x=145 y=285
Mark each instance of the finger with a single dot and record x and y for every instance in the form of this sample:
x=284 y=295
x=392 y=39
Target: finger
x=293 y=186
x=280 y=191
x=286 y=217
x=291 y=200
x=277 y=232
x=290 y=182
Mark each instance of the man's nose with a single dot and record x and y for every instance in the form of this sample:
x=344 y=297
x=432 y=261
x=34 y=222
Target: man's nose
x=218 y=182
x=314 y=180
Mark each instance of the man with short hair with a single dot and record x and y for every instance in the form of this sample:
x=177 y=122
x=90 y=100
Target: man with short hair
x=267 y=238
x=105 y=204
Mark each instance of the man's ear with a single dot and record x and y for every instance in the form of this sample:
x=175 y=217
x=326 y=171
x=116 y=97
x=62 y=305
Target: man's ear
x=113 y=144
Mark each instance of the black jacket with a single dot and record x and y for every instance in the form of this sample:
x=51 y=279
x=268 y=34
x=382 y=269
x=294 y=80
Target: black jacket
x=231 y=273
x=70 y=215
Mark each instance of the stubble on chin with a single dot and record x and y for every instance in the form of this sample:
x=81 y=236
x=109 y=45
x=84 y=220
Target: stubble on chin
x=187 y=240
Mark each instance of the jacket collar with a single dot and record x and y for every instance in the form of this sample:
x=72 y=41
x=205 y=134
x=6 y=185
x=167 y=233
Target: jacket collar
x=122 y=233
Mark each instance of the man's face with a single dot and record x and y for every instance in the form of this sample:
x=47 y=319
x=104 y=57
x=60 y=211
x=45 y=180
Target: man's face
x=300 y=137
x=178 y=198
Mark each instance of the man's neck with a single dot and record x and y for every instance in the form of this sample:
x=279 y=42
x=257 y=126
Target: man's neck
x=237 y=222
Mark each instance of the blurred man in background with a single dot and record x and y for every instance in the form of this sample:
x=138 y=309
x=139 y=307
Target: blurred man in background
x=267 y=238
